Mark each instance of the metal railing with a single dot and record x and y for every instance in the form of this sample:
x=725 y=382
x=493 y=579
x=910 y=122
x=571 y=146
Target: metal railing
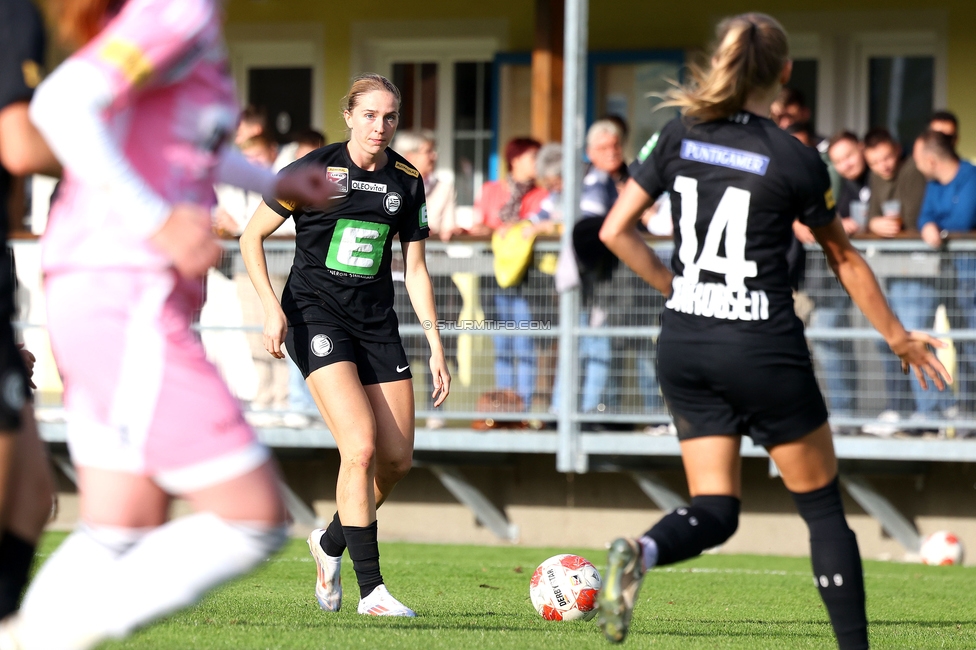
x=507 y=339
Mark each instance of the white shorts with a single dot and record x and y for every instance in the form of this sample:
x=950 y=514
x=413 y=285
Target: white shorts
x=140 y=395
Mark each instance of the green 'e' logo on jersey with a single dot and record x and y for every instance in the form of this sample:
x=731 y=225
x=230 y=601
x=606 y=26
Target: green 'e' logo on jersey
x=357 y=246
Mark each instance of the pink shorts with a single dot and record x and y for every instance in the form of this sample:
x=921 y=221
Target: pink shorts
x=140 y=395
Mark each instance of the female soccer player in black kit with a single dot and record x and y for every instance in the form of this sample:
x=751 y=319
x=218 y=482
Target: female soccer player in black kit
x=26 y=484
x=732 y=359
x=337 y=322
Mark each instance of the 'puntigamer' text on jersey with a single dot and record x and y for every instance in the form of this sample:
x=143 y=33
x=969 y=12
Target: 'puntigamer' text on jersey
x=341 y=273
x=736 y=186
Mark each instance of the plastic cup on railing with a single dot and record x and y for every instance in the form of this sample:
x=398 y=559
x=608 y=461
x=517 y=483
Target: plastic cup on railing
x=859 y=213
x=891 y=208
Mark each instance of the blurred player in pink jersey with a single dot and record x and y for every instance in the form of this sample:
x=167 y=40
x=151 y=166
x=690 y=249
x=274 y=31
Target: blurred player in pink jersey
x=139 y=118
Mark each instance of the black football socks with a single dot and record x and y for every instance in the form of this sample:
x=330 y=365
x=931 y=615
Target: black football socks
x=333 y=542
x=365 y=554
x=685 y=532
x=16 y=555
x=836 y=564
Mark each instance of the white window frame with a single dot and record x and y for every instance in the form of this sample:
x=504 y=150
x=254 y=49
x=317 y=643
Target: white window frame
x=844 y=41
x=866 y=45
x=281 y=45
x=445 y=52
x=807 y=45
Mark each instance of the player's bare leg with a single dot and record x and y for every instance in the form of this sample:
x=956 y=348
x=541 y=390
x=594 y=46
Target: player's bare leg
x=28 y=507
x=124 y=567
x=808 y=463
x=713 y=468
x=393 y=407
x=347 y=409
x=344 y=406
x=392 y=404
x=8 y=446
x=31 y=492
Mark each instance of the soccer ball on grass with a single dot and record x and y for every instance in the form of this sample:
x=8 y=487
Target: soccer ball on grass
x=941 y=548
x=564 y=588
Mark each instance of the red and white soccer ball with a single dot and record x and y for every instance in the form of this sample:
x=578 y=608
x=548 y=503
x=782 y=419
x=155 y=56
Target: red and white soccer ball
x=941 y=548
x=564 y=588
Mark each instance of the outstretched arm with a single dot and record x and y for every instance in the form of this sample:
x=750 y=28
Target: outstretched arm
x=416 y=278
x=264 y=222
x=619 y=233
x=913 y=348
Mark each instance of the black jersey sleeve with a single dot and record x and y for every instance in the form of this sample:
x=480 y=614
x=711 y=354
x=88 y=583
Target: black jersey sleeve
x=650 y=174
x=816 y=205
x=413 y=221
x=21 y=51
x=281 y=207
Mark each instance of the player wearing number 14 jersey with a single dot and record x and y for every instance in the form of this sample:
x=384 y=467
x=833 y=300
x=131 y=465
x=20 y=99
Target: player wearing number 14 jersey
x=732 y=359
x=736 y=186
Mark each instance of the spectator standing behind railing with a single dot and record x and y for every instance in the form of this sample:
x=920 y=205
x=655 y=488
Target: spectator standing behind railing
x=233 y=212
x=946 y=122
x=950 y=207
x=301 y=405
x=846 y=153
x=549 y=176
x=604 y=148
x=897 y=190
x=831 y=306
x=503 y=204
x=420 y=150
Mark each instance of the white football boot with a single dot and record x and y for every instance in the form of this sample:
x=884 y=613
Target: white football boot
x=380 y=603
x=328 y=582
x=621 y=585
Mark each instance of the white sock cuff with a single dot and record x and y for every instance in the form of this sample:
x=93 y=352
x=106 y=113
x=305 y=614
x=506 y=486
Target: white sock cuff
x=182 y=561
x=268 y=538
x=649 y=554
x=116 y=539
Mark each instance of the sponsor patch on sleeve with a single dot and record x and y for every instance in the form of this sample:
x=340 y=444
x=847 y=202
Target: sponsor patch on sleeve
x=407 y=169
x=339 y=176
x=32 y=73
x=128 y=59
x=829 y=199
x=713 y=154
x=287 y=205
x=423 y=216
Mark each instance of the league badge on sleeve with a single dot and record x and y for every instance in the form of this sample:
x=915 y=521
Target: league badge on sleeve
x=339 y=176
x=423 y=216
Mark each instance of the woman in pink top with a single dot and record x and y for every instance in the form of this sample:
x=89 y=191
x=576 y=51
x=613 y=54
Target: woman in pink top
x=139 y=118
x=507 y=201
x=502 y=204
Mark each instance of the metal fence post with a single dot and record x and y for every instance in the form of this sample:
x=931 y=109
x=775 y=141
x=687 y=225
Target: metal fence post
x=574 y=96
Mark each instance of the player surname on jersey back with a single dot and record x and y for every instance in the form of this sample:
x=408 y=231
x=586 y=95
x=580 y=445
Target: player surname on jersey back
x=729 y=301
x=714 y=300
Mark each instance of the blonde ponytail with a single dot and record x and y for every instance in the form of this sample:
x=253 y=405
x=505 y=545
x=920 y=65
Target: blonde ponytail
x=751 y=52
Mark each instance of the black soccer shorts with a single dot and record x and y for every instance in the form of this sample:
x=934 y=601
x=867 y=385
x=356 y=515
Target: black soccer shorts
x=14 y=386
x=316 y=345
x=767 y=392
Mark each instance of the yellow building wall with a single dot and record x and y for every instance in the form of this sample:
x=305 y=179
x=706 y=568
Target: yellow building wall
x=614 y=24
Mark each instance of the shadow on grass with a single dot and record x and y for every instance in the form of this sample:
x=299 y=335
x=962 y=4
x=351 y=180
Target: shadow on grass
x=506 y=623
x=904 y=622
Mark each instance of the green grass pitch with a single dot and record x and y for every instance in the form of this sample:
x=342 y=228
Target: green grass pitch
x=478 y=597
